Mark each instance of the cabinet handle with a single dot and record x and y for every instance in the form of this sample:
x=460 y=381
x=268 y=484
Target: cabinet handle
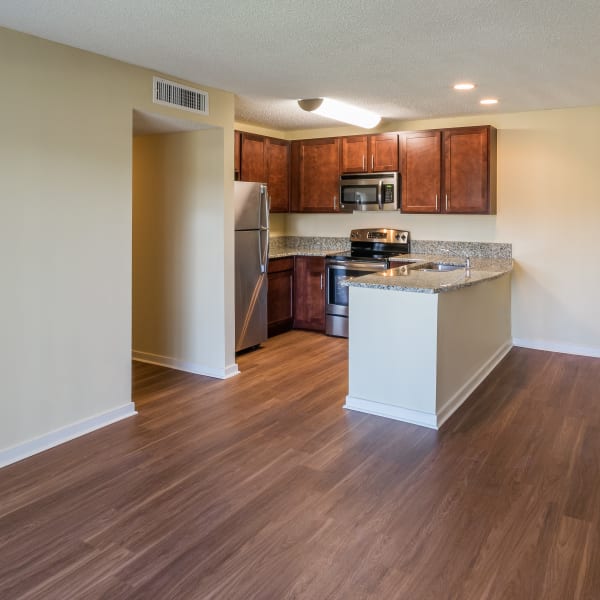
x=446 y=202
x=364 y=163
x=372 y=162
x=436 y=203
x=321 y=280
x=335 y=203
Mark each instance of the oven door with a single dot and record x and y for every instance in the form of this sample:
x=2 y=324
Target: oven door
x=340 y=271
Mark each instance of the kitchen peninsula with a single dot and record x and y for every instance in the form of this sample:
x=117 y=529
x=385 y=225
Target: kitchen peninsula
x=421 y=341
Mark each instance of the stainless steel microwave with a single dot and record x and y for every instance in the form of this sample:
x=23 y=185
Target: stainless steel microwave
x=369 y=191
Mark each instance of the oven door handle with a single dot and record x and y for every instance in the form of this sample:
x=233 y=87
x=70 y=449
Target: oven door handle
x=358 y=266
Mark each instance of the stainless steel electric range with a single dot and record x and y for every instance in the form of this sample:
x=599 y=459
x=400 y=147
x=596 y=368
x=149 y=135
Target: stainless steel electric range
x=370 y=251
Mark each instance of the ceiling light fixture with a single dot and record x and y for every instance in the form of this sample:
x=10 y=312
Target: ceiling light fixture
x=488 y=101
x=340 y=111
x=464 y=86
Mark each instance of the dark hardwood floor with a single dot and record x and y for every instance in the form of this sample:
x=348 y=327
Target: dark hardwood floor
x=264 y=487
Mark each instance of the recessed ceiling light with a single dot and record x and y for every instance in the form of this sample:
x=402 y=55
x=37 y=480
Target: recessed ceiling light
x=340 y=111
x=488 y=101
x=464 y=86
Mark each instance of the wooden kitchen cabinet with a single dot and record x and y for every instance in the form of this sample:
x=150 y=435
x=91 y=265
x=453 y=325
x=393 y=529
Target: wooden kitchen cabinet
x=253 y=158
x=280 y=295
x=469 y=170
x=309 y=293
x=421 y=169
x=267 y=160
x=449 y=171
x=370 y=153
x=354 y=153
x=315 y=175
x=278 y=173
x=237 y=146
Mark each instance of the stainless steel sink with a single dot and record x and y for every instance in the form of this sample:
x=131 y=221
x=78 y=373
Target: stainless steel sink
x=437 y=267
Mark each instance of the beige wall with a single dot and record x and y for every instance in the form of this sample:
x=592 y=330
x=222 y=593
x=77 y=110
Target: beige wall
x=548 y=208
x=65 y=234
x=177 y=224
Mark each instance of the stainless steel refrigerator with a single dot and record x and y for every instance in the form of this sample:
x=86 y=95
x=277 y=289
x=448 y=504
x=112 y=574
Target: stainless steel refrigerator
x=251 y=261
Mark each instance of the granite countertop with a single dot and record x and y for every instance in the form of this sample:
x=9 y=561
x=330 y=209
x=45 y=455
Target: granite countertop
x=488 y=261
x=284 y=252
x=281 y=247
x=406 y=279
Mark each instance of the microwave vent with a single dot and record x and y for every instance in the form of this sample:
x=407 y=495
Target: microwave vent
x=169 y=93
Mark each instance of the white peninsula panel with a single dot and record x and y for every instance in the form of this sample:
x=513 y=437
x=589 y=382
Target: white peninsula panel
x=417 y=357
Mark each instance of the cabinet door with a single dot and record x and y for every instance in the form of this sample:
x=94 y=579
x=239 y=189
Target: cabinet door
x=421 y=171
x=237 y=144
x=316 y=175
x=278 y=168
x=383 y=152
x=309 y=293
x=253 y=161
x=354 y=154
x=467 y=170
x=280 y=298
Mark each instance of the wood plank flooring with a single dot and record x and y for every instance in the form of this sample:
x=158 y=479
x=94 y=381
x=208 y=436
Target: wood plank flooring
x=264 y=487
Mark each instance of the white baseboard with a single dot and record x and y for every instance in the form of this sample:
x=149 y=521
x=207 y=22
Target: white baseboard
x=550 y=346
x=452 y=404
x=391 y=412
x=433 y=421
x=64 y=434
x=188 y=367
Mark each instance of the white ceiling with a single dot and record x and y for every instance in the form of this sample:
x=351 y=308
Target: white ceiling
x=398 y=58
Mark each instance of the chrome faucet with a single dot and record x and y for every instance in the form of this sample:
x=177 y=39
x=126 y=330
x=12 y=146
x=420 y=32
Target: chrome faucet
x=467 y=259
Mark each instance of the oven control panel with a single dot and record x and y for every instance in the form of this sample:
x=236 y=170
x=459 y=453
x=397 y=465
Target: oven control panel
x=385 y=236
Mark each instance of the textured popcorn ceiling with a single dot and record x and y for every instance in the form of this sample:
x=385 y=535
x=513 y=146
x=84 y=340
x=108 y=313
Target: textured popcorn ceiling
x=398 y=58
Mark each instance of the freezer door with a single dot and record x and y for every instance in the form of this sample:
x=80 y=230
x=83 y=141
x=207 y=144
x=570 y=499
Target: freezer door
x=251 y=249
x=251 y=205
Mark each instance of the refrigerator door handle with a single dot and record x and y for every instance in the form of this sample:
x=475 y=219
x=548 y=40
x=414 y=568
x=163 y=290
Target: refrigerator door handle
x=263 y=237
x=267 y=208
x=263 y=249
x=264 y=207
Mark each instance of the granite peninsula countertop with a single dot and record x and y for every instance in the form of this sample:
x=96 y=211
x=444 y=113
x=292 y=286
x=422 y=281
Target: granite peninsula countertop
x=494 y=260
x=406 y=279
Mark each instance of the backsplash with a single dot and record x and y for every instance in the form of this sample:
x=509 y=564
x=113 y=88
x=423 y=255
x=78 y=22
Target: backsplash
x=474 y=249
x=477 y=249
x=295 y=242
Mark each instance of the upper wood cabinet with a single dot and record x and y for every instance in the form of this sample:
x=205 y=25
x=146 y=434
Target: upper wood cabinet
x=469 y=170
x=267 y=160
x=421 y=169
x=370 y=153
x=449 y=171
x=316 y=175
x=253 y=158
x=278 y=173
x=354 y=154
x=237 y=146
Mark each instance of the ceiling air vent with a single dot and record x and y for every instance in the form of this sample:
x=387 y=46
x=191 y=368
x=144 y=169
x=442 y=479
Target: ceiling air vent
x=170 y=93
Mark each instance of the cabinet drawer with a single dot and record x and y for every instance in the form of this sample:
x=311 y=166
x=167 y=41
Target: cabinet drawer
x=281 y=264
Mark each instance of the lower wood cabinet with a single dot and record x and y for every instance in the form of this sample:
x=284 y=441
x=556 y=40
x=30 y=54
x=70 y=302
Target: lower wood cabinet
x=280 y=296
x=309 y=293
